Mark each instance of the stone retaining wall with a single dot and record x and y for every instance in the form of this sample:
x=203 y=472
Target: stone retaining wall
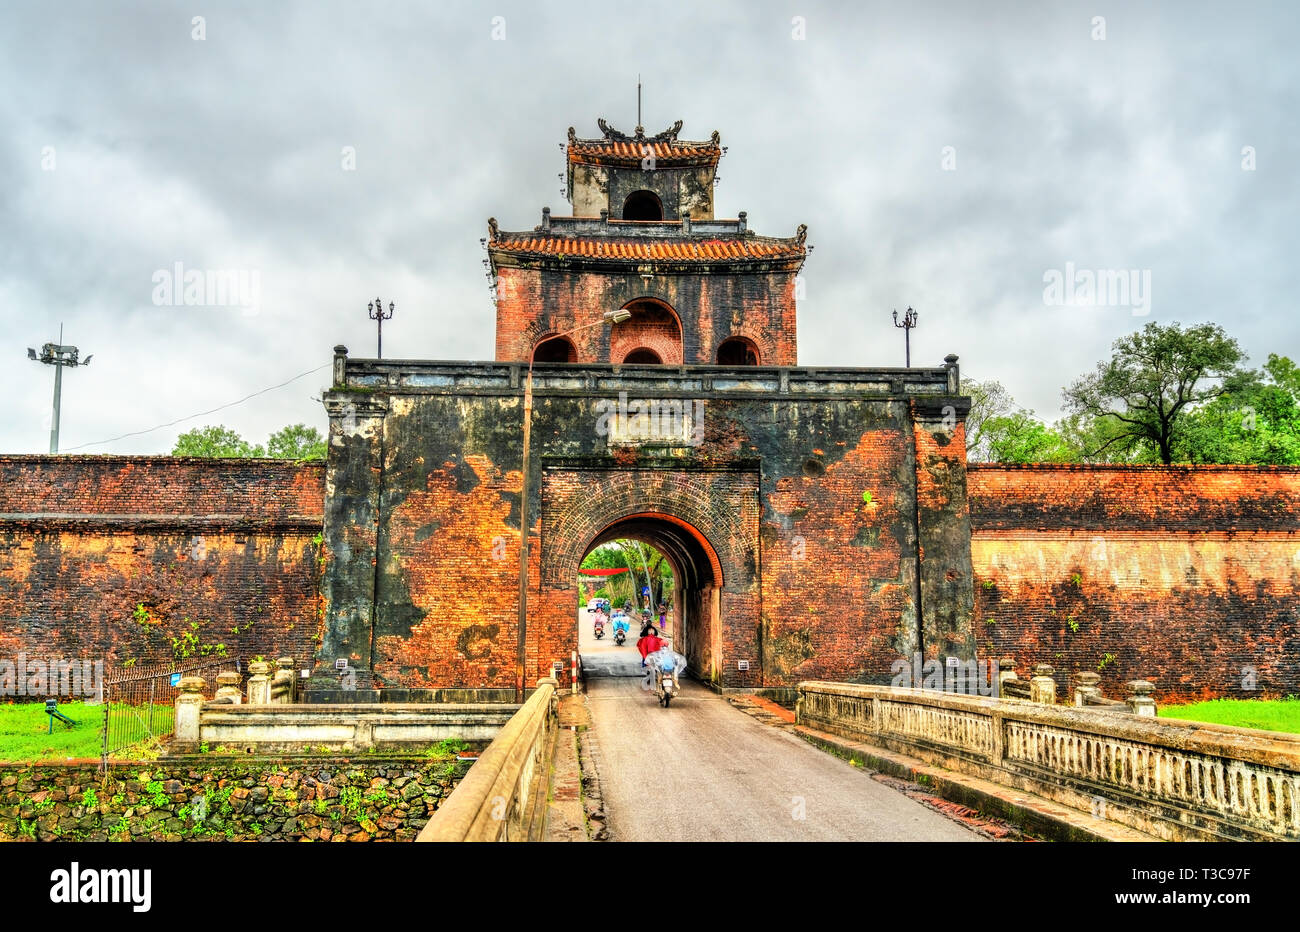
x=225 y=798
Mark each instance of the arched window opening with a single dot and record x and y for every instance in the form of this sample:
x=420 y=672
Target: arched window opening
x=653 y=329
x=556 y=349
x=642 y=357
x=737 y=351
x=643 y=205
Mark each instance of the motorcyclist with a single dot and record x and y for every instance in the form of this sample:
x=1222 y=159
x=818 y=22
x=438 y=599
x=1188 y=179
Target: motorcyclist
x=621 y=624
x=649 y=643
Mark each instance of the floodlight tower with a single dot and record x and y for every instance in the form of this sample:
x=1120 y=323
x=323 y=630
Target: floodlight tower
x=58 y=356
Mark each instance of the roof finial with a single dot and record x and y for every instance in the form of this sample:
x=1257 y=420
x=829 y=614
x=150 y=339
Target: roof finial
x=640 y=130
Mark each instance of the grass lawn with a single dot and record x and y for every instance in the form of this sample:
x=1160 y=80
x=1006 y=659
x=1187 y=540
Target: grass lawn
x=1268 y=714
x=24 y=730
x=24 y=727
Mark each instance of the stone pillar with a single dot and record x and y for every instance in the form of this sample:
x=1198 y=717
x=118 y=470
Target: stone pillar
x=340 y=363
x=1086 y=687
x=546 y=219
x=686 y=221
x=954 y=373
x=743 y=226
x=228 y=687
x=1139 y=700
x=259 y=683
x=282 y=682
x=1042 y=688
x=1006 y=671
x=189 y=703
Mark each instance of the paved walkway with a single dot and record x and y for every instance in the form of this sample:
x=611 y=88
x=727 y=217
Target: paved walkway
x=702 y=770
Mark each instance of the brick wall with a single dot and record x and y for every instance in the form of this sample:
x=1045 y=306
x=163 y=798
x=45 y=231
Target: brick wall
x=533 y=302
x=1186 y=576
x=146 y=558
x=802 y=503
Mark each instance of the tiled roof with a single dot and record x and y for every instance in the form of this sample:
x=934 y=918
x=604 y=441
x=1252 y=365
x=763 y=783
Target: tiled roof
x=612 y=151
x=621 y=149
x=650 y=249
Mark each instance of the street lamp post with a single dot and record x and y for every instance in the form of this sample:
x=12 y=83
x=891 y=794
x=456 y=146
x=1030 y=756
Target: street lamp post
x=376 y=311
x=58 y=356
x=909 y=321
x=609 y=317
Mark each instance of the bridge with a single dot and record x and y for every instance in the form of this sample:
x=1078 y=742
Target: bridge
x=703 y=770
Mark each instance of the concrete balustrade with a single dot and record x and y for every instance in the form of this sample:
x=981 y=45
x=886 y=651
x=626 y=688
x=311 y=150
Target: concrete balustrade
x=503 y=797
x=259 y=683
x=1172 y=779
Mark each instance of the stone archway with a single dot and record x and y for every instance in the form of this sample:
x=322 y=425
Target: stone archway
x=706 y=520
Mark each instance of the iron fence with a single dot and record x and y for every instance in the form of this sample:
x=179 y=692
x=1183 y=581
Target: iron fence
x=140 y=703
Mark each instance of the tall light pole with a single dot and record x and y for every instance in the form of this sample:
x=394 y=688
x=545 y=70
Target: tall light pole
x=376 y=310
x=909 y=321
x=609 y=317
x=58 y=356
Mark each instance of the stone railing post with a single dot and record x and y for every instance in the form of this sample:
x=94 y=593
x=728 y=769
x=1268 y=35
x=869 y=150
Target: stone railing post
x=185 y=731
x=1042 y=688
x=259 y=684
x=1139 y=699
x=1006 y=671
x=1086 y=687
x=228 y=687
x=283 y=681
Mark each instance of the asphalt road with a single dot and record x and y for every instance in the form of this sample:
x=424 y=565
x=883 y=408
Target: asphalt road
x=702 y=770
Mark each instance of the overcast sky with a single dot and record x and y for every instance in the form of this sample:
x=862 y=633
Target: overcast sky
x=130 y=145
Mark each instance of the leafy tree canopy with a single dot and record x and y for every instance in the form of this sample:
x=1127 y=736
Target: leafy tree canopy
x=296 y=442
x=1155 y=379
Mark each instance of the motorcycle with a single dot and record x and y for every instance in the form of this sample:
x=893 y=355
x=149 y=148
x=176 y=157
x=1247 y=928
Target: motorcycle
x=667 y=682
x=620 y=635
x=600 y=630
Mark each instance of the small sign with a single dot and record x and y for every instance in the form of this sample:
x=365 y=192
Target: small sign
x=341 y=663
x=304 y=674
x=954 y=662
x=742 y=664
x=176 y=680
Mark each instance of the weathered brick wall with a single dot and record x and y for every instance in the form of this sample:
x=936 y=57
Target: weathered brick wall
x=1186 y=576
x=220 y=798
x=533 y=302
x=818 y=579
x=120 y=558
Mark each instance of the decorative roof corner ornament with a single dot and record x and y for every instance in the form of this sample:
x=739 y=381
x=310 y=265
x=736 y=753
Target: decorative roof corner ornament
x=801 y=234
x=611 y=133
x=716 y=138
x=573 y=136
x=493 y=229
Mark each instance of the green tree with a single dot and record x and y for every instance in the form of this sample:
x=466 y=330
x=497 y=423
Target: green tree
x=1257 y=421
x=1155 y=378
x=1020 y=437
x=296 y=442
x=988 y=400
x=216 y=440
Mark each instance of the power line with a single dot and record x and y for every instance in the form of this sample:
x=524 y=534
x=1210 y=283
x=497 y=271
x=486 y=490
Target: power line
x=189 y=417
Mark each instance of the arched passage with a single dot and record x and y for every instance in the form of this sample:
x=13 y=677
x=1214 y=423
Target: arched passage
x=706 y=525
x=694 y=604
x=652 y=335
x=555 y=349
x=643 y=205
x=738 y=351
